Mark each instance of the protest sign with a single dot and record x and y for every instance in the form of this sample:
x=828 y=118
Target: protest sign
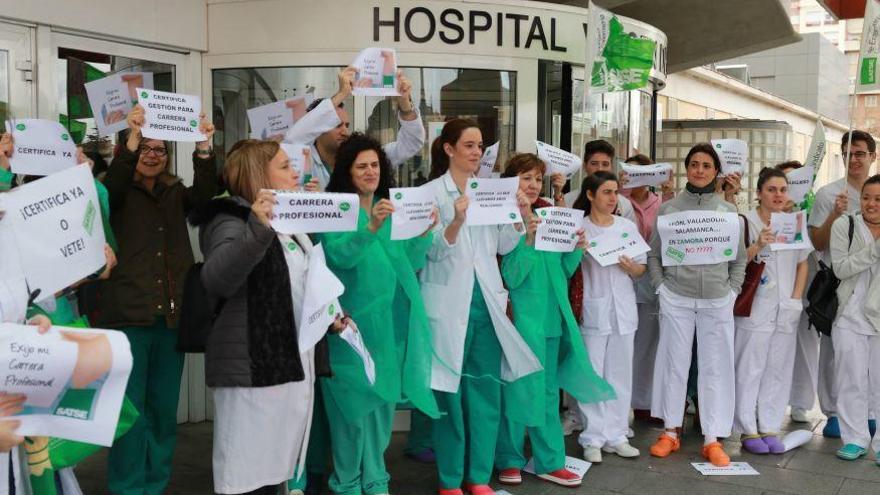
x=646 y=175
x=74 y=380
x=112 y=97
x=376 y=72
x=800 y=183
x=272 y=121
x=412 y=211
x=320 y=304
x=487 y=162
x=134 y=80
x=42 y=147
x=300 y=156
x=698 y=237
x=790 y=231
x=492 y=201
x=313 y=212
x=58 y=229
x=818 y=145
x=608 y=247
x=557 y=231
x=353 y=338
x=733 y=469
x=170 y=116
x=734 y=154
x=558 y=160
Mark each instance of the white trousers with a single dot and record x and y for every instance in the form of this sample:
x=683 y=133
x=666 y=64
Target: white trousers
x=827 y=387
x=644 y=352
x=713 y=328
x=857 y=366
x=805 y=376
x=607 y=422
x=764 y=362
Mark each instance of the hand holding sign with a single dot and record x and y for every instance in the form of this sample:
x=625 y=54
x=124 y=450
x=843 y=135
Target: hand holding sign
x=308 y=213
x=558 y=160
x=263 y=205
x=380 y=212
x=414 y=212
x=734 y=154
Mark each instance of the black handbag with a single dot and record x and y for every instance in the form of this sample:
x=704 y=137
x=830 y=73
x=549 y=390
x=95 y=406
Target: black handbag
x=822 y=295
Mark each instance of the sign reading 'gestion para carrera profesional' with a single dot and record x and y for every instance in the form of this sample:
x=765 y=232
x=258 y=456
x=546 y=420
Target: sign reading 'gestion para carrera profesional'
x=170 y=116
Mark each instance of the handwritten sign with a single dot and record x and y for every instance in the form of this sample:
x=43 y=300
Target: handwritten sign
x=36 y=366
x=698 y=237
x=171 y=116
x=320 y=304
x=58 y=229
x=492 y=201
x=272 y=121
x=112 y=97
x=790 y=231
x=800 y=183
x=412 y=211
x=487 y=162
x=558 y=160
x=557 y=231
x=376 y=72
x=300 y=156
x=309 y=213
x=42 y=147
x=646 y=175
x=608 y=247
x=734 y=154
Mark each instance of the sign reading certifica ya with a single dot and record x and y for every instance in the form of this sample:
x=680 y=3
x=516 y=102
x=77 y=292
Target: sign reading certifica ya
x=557 y=231
x=608 y=247
x=170 y=116
x=42 y=147
x=698 y=237
x=492 y=201
x=654 y=174
x=311 y=213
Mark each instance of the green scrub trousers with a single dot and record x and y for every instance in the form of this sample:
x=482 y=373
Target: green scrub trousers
x=420 y=437
x=139 y=462
x=467 y=431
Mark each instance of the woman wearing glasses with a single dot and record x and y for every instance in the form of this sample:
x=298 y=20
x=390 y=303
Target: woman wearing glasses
x=148 y=208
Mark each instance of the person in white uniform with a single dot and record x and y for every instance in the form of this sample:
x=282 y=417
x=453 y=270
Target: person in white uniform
x=608 y=323
x=696 y=301
x=262 y=382
x=836 y=199
x=326 y=126
x=856 y=330
x=765 y=340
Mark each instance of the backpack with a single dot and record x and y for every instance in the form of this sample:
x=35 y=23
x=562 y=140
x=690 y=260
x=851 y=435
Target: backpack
x=197 y=313
x=822 y=295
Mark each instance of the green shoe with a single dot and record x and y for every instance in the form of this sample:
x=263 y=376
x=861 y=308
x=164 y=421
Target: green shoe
x=851 y=452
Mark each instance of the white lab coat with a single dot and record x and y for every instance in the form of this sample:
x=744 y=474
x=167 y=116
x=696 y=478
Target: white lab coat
x=447 y=286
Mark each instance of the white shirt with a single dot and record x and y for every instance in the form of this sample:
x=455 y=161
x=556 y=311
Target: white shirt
x=609 y=292
x=824 y=205
x=853 y=316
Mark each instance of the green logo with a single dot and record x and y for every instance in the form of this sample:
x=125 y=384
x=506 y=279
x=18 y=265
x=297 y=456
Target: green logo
x=398 y=195
x=718 y=146
x=512 y=216
x=675 y=254
x=143 y=94
x=625 y=235
x=543 y=213
x=573 y=235
x=869 y=71
x=291 y=246
x=20 y=127
x=65 y=137
x=344 y=206
x=331 y=310
x=728 y=252
x=593 y=244
x=89 y=219
x=473 y=185
x=193 y=123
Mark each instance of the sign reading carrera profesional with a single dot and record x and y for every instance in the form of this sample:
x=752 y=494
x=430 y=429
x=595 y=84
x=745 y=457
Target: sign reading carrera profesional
x=492 y=201
x=311 y=213
x=42 y=147
x=698 y=237
x=170 y=116
x=557 y=231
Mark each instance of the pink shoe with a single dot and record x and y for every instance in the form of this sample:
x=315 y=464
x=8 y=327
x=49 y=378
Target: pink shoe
x=510 y=476
x=562 y=477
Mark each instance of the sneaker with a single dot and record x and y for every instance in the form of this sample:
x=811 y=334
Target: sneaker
x=510 y=476
x=714 y=453
x=799 y=415
x=832 y=428
x=424 y=456
x=773 y=443
x=665 y=445
x=475 y=489
x=851 y=452
x=571 y=422
x=450 y=491
x=753 y=444
x=592 y=455
x=623 y=449
x=562 y=477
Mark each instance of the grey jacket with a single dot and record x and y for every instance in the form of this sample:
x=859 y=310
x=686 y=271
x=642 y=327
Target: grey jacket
x=697 y=281
x=848 y=265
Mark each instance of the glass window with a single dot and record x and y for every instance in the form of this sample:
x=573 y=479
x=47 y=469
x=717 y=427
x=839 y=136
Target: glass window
x=4 y=88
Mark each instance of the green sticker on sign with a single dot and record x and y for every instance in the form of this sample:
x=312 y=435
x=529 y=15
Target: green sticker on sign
x=675 y=254
x=593 y=244
x=398 y=195
x=89 y=220
x=344 y=206
x=869 y=71
x=543 y=213
x=625 y=235
x=331 y=310
x=512 y=216
x=291 y=246
x=20 y=127
x=728 y=252
x=65 y=137
x=193 y=123
x=143 y=94
x=473 y=185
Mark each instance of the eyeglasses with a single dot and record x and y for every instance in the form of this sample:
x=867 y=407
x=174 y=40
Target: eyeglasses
x=144 y=149
x=859 y=155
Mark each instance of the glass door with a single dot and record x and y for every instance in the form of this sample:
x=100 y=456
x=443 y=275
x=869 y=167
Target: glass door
x=16 y=72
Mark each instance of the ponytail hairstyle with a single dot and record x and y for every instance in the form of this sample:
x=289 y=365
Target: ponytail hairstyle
x=768 y=173
x=591 y=183
x=450 y=134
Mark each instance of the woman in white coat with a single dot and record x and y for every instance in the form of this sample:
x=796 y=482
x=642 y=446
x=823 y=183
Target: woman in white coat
x=855 y=257
x=765 y=341
x=475 y=343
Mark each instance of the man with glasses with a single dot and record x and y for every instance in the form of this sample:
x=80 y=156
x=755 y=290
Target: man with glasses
x=840 y=197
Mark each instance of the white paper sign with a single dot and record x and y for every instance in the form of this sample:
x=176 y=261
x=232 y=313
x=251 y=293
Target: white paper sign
x=58 y=229
x=353 y=338
x=557 y=231
x=376 y=72
x=608 y=247
x=112 y=97
x=796 y=438
x=573 y=464
x=558 y=160
x=734 y=469
x=412 y=211
x=320 y=304
x=698 y=237
x=734 y=154
x=492 y=201
x=313 y=212
x=300 y=156
x=42 y=147
x=646 y=175
x=86 y=406
x=790 y=230
x=273 y=120
x=800 y=182
x=487 y=162
x=170 y=116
